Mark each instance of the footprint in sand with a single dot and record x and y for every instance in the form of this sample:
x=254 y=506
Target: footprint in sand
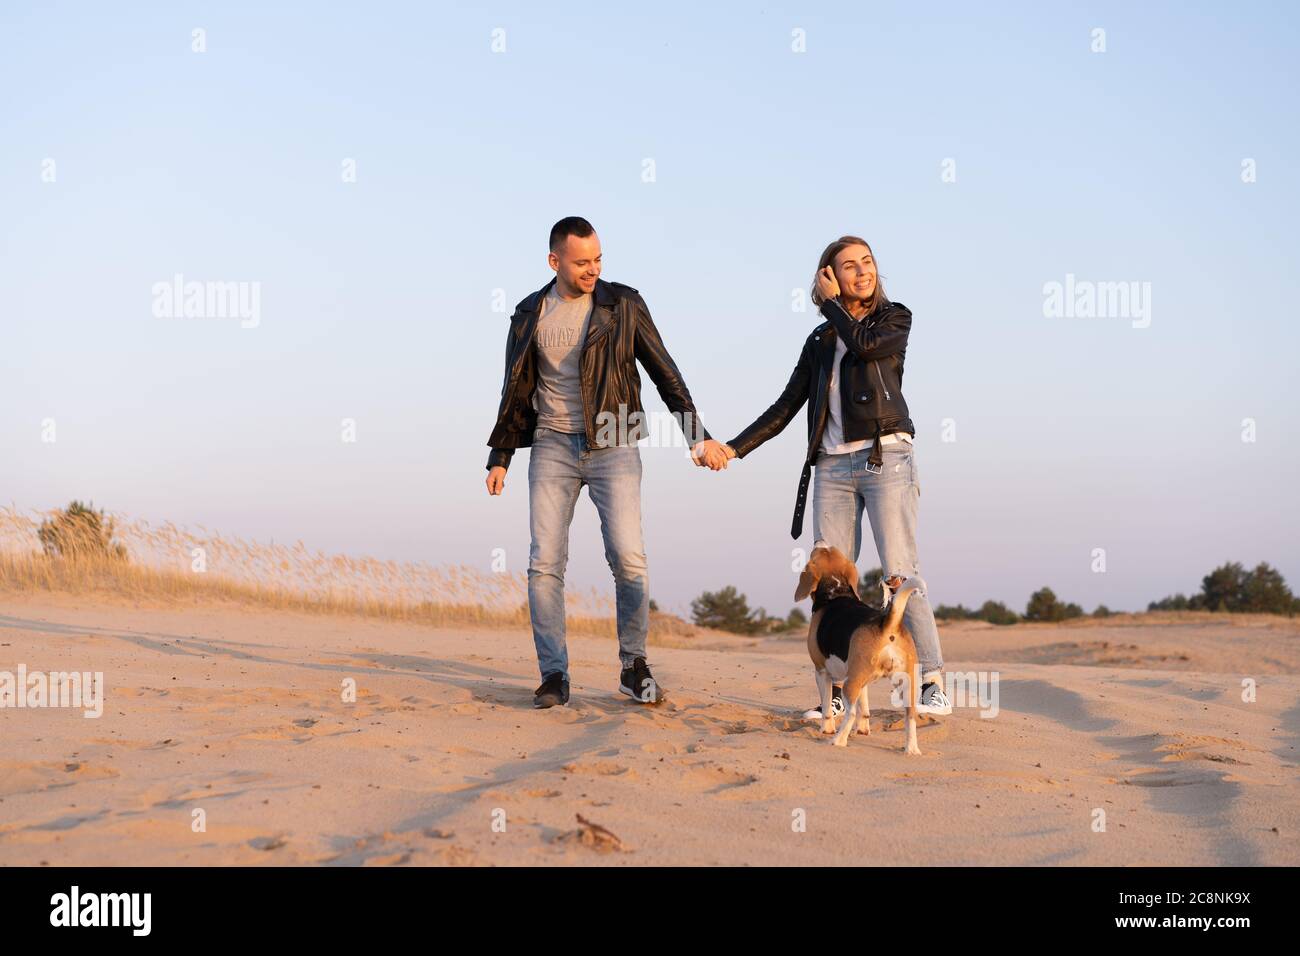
x=35 y=776
x=739 y=727
x=1161 y=778
x=600 y=768
x=465 y=751
x=1181 y=754
x=1183 y=750
x=713 y=779
x=1203 y=747
x=661 y=747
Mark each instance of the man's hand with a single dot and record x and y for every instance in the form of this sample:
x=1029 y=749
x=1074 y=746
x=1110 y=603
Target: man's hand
x=496 y=480
x=712 y=454
x=827 y=284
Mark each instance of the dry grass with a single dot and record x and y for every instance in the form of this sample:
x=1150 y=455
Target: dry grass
x=161 y=565
x=172 y=565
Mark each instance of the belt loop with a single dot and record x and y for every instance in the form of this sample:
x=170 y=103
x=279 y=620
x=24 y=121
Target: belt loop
x=877 y=456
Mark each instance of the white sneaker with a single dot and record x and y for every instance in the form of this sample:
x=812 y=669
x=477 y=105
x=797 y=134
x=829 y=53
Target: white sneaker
x=837 y=710
x=934 y=701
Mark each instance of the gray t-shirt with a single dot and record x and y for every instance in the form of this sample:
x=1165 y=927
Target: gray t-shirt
x=561 y=330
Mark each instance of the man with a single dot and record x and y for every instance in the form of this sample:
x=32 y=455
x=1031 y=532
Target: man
x=572 y=393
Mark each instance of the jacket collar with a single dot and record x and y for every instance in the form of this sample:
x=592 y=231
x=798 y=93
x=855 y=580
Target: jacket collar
x=603 y=295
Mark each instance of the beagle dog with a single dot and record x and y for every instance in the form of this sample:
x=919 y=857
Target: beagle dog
x=852 y=643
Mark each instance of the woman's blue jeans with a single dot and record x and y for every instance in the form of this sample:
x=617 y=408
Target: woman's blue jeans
x=847 y=485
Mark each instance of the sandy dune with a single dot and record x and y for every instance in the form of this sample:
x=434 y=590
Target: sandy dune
x=239 y=713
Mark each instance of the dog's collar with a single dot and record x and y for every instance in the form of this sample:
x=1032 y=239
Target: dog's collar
x=824 y=596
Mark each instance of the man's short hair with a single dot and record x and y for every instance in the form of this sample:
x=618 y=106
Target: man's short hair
x=570 y=226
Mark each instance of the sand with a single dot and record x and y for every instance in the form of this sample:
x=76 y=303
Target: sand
x=441 y=759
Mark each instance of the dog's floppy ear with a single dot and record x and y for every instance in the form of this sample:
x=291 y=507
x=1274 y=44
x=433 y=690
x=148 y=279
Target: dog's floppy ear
x=811 y=575
x=843 y=566
x=807 y=581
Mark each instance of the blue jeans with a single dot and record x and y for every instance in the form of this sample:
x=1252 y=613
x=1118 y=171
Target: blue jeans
x=559 y=465
x=845 y=486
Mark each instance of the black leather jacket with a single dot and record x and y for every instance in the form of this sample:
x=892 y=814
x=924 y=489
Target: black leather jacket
x=619 y=334
x=871 y=387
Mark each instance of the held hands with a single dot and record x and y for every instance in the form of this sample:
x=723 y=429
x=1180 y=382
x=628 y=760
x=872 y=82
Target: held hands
x=827 y=284
x=712 y=454
x=496 y=480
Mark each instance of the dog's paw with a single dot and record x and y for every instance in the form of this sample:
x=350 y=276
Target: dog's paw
x=864 y=729
x=840 y=741
x=914 y=751
x=828 y=726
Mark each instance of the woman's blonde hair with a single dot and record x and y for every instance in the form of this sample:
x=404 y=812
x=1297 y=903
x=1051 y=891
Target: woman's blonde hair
x=878 y=296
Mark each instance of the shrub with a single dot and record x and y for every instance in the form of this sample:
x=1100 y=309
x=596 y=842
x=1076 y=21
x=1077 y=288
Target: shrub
x=949 y=612
x=1043 y=606
x=1177 y=602
x=995 y=612
x=726 y=610
x=1230 y=587
x=1264 y=591
x=79 y=531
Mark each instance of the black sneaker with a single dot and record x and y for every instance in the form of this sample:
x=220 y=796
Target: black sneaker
x=638 y=683
x=554 y=690
x=837 y=706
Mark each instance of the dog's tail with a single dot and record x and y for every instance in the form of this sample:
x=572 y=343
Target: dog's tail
x=898 y=606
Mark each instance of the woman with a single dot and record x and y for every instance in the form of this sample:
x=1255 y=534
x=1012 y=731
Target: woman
x=859 y=438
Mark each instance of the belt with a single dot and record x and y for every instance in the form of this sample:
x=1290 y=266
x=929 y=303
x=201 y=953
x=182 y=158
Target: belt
x=796 y=528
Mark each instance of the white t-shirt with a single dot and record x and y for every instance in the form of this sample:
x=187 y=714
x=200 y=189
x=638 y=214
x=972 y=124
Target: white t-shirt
x=833 y=442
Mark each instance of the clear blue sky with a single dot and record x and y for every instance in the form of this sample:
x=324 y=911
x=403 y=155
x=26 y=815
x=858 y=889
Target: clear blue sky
x=1072 y=433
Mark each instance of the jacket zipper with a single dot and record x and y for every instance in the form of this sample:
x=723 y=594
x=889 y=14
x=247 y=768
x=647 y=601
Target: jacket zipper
x=881 y=376
x=823 y=412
